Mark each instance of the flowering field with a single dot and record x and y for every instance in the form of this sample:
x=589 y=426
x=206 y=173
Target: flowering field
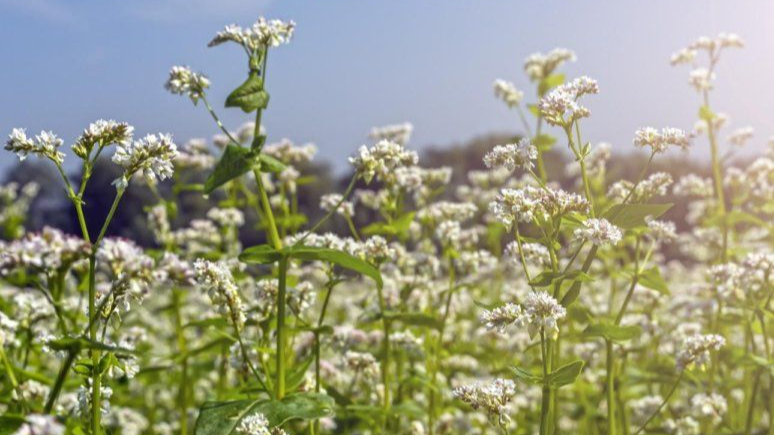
x=508 y=304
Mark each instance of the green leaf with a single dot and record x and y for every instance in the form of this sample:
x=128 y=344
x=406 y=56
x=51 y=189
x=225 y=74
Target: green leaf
x=339 y=258
x=544 y=142
x=612 y=332
x=566 y=374
x=249 y=96
x=10 y=423
x=628 y=216
x=76 y=344
x=261 y=254
x=413 y=319
x=235 y=162
x=270 y=164
x=527 y=376
x=550 y=278
x=398 y=227
x=652 y=279
x=549 y=83
x=222 y=418
x=706 y=114
x=534 y=110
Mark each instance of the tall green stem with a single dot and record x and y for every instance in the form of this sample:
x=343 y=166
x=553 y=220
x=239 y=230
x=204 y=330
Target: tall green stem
x=611 y=428
x=281 y=333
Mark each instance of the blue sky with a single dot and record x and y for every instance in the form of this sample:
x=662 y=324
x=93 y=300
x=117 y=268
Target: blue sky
x=354 y=64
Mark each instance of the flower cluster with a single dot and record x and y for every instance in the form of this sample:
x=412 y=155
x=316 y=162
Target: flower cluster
x=512 y=156
x=660 y=141
x=183 y=81
x=44 y=145
x=153 y=155
x=262 y=34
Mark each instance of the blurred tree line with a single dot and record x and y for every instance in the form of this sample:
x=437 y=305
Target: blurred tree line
x=52 y=208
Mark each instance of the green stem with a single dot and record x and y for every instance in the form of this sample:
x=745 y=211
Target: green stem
x=546 y=399
x=611 y=427
x=661 y=406
x=271 y=225
x=751 y=406
x=177 y=295
x=281 y=333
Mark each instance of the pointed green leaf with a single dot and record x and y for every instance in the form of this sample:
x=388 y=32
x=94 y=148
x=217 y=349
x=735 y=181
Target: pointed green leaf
x=10 y=423
x=527 y=376
x=235 y=162
x=566 y=374
x=261 y=254
x=612 y=332
x=414 y=319
x=629 y=216
x=270 y=164
x=223 y=418
x=652 y=279
x=339 y=258
x=250 y=95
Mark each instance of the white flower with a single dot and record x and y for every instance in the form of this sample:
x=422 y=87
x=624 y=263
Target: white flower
x=379 y=160
x=507 y=92
x=37 y=424
x=503 y=316
x=254 y=424
x=290 y=153
x=45 y=145
x=227 y=217
x=102 y=133
x=599 y=232
x=740 y=136
x=543 y=313
x=492 y=398
x=694 y=185
x=263 y=33
x=696 y=350
x=712 y=406
x=222 y=289
x=512 y=156
x=660 y=141
x=152 y=154
x=701 y=79
x=183 y=81
x=539 y=66
x=330 y=201
x=398 y=133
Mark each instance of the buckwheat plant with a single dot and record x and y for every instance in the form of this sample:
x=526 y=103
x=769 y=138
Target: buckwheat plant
x=552 y=289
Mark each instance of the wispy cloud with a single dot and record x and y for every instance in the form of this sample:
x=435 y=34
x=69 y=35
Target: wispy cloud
x=50 y=10
x=176 y=10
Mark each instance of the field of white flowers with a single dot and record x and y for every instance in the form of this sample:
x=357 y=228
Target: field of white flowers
x=511 y=305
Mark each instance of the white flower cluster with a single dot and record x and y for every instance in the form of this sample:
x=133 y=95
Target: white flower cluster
x=522 y=205
x=709 y=45
x=50 y=249
x=290 y=153
x=262 y=34
x=330 y=201
x=222 y=289
x=195 y=154
x=599 y=232
x=254 y=424
x=362 y=362
x=539 y=66
x=379 y=160
x=508 y=92
x=560 y=107
x=694 y=185
x=492 y=398
x=540 y=312
x=512 y=156
x=740 y=136
x=660 y=141
x=183 y=81
x=711 y=406
x=696 y=350
x=501 y=317
x=102 y=133
x=398 y=133
x=227 y=217
x=45 y=145
x=153 y=155
x=37 y=424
